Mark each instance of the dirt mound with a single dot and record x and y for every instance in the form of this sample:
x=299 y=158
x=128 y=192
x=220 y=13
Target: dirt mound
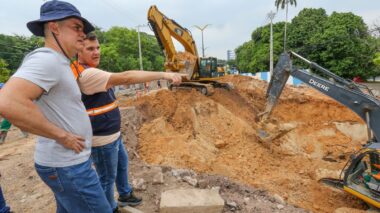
x=26 y=193
x=218 y=135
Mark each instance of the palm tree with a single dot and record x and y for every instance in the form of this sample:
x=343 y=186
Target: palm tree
x=284 y=4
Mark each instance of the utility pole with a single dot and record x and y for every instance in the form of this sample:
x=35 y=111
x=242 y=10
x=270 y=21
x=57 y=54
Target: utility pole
x=202 y=29
x=142 y=85
x=139 y=41
x=271 y=15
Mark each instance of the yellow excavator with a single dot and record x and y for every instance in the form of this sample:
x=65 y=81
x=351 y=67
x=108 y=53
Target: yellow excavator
x=200 y=71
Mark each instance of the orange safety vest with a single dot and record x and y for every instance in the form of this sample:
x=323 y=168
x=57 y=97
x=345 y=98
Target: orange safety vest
x=77 y=69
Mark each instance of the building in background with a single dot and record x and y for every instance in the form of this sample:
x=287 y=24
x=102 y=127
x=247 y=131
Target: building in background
x=231 y=55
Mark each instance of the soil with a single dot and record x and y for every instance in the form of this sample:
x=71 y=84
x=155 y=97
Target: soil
x=215 y=140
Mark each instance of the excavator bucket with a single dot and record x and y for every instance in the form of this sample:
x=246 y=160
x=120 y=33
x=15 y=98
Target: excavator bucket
x=276 y=85
x=187 y=64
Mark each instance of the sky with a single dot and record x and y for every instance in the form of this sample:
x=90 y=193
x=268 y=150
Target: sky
x=230 y=22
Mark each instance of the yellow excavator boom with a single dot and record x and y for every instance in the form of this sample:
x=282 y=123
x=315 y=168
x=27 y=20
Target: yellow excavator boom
x=165 y=30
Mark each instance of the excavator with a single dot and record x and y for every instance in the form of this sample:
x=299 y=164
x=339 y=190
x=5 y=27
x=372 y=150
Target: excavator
x=200 y=71
x=361 y=175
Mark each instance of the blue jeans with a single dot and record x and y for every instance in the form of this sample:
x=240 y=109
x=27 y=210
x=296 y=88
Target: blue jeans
x=111 y=162
x=3 y=206
x=76 y=188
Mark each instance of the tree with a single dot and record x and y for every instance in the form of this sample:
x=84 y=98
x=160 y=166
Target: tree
x=4 y=71
x=14 y=48
x=309 y=23
x=345 y=46
x=120 y=50
x=284 y=4
x=339 y=42
x=252 y=56
x=376 y=29
x=376 y=60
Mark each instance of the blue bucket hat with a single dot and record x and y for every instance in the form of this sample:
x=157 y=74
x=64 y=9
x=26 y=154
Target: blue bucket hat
x=57 y=10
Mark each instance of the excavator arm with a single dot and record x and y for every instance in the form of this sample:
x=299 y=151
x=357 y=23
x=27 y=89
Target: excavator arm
x=165 y=30
x=362 y=174
x=344 y=91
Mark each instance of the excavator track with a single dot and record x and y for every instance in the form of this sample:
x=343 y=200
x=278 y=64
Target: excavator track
x=206 y=87
x=217 y=84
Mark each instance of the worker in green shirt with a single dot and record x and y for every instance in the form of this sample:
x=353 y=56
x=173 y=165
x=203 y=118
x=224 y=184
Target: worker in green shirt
x=4 y=127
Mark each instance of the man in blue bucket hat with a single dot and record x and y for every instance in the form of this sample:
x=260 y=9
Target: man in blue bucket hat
x=45 y=100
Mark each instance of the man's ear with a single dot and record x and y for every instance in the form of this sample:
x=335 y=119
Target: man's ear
x=53 y=27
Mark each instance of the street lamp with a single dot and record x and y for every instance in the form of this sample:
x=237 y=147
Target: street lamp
x=140 y=54
x=139 y=41
x=202 y=29
x=271 y=17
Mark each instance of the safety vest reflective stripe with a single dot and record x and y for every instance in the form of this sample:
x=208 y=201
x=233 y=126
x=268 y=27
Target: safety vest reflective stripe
x=102 y=109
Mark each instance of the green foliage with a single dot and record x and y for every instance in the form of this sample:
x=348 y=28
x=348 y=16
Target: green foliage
x=304 y=30
x=14 y=48
x=4 y=71
x=119 y=48
x=346 y=46
x=376 y=60
x=339 y=42
x=253 y=56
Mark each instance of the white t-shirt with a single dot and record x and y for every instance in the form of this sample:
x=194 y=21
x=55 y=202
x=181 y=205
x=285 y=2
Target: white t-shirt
x=60 y=103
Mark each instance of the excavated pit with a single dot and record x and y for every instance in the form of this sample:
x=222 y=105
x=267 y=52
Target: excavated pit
x=218 y=134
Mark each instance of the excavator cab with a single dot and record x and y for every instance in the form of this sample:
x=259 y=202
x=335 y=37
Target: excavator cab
x=208 y=67
x=362 y=176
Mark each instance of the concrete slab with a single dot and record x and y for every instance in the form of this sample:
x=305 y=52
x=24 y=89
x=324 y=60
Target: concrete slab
x=191 y=201
x=128 y=209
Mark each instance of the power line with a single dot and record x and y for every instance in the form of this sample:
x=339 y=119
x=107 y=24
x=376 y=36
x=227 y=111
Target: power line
x=124 y=13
